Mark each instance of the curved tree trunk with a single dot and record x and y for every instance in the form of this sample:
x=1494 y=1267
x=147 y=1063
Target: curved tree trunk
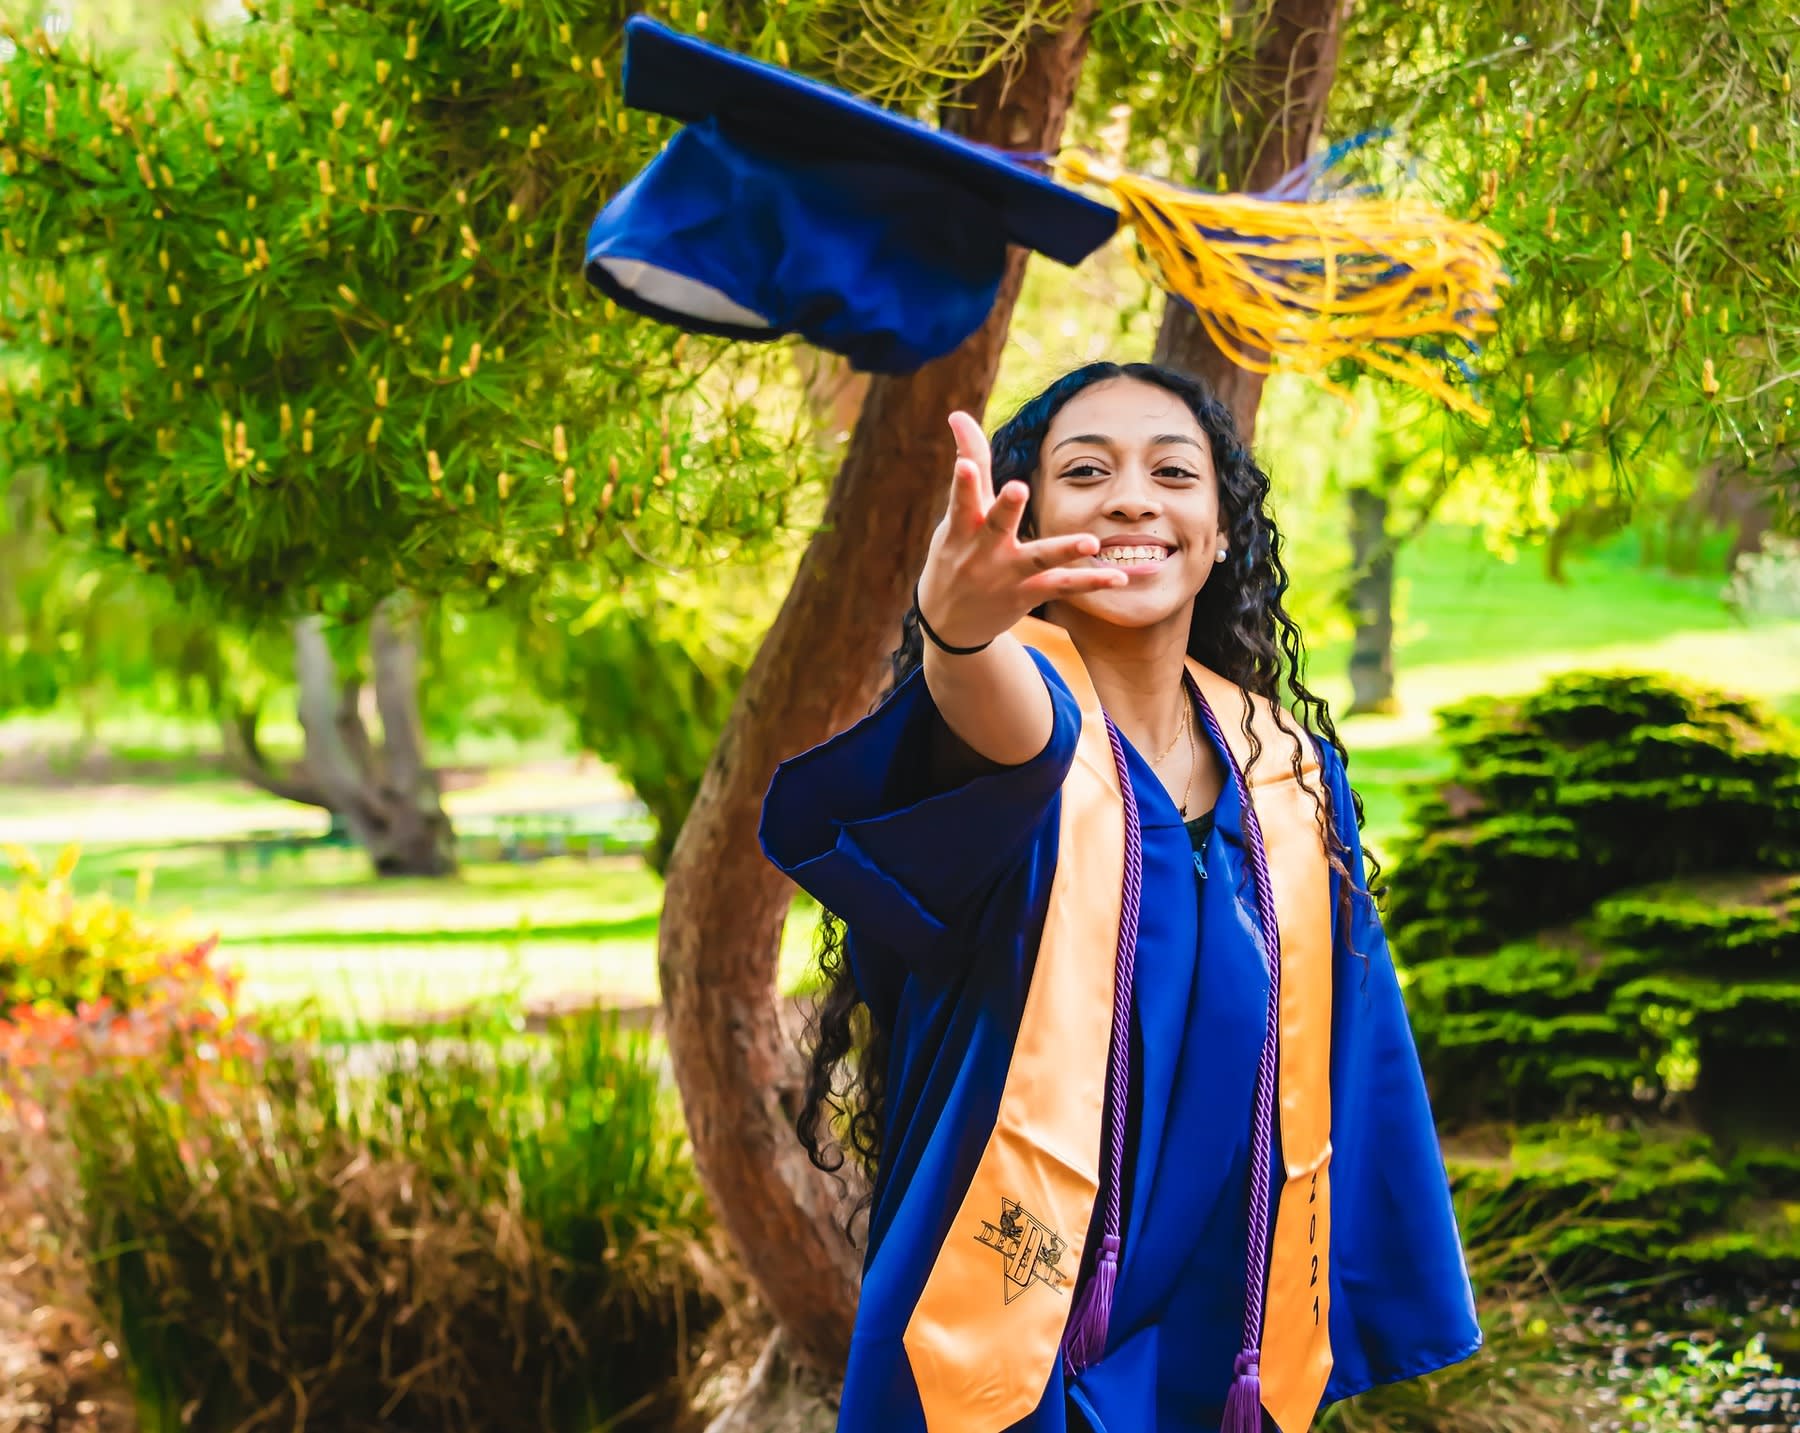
x=386 y=798
x=1279 y=96
x=1371 y=603
x=817 y=671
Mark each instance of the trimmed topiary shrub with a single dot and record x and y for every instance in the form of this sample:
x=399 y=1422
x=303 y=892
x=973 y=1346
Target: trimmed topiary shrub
x=1595 y=784
x=1598 y=913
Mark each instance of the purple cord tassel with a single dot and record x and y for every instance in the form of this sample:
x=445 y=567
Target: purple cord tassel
x=1086 y=1338
x=1243 y=1405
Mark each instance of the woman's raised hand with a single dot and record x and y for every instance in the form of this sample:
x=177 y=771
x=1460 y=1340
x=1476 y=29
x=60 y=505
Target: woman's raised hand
x=979 y=578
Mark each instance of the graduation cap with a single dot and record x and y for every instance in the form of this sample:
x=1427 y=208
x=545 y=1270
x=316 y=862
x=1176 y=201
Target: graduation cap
x=787 y=206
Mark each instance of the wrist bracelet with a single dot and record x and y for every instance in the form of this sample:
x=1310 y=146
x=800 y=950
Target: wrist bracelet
x=938 y=641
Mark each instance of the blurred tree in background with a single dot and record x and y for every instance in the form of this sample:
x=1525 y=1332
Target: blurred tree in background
x=1638 y=159
x=298 y=325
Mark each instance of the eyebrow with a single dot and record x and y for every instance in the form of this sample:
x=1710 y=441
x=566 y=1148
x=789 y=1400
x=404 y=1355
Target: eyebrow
x=1101 y=440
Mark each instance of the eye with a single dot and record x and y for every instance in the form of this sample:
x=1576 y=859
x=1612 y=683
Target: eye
x=1083 y=470
x=1175 y=470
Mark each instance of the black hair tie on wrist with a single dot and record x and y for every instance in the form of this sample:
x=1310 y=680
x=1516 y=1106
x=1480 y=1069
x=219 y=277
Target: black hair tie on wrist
x=938 y=641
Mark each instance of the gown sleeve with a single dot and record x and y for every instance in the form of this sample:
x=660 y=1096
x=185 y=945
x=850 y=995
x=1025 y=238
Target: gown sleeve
x=860 y=824
x=1401 y=1301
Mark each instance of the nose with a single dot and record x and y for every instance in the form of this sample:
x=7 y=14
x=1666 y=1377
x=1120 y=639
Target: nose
x=1133 y=495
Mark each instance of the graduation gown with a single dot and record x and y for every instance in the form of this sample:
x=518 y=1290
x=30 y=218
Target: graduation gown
x=943 y=892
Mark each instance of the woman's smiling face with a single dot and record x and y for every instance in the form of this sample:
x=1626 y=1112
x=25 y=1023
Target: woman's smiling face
x=1128 y=462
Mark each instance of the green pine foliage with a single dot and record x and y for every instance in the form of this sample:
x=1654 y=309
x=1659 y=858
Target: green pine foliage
x=305 y=314
x=1639 y=159
x=1591 y=785
x=1600 y=925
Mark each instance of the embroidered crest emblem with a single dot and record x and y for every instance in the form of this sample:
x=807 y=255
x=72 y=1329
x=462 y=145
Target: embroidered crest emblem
x=1032 y=1250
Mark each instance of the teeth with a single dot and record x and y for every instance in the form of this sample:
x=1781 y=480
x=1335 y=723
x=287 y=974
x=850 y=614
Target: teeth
x=1134 y=554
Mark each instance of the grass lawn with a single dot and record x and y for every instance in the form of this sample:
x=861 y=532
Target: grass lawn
x=1470 y=624
x=316 y=926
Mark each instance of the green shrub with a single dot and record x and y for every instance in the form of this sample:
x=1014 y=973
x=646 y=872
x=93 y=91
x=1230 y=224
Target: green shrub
x=1599 y=922
x=59 y=953
x=1689 y=1395
x=479 y=1234
x=1594 y=784
x=649 y=672
x=1530 y=1374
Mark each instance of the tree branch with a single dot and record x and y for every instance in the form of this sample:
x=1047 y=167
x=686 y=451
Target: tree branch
x=394 y=654
x=328 y=757
x=244 y=755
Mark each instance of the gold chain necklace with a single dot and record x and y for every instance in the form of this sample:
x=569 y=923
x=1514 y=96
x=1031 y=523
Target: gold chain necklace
x=1193 y=755
x=1180 y=731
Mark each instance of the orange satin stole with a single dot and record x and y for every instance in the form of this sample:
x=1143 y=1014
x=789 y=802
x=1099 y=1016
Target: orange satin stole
x=1296 y=1338
x=987 y=1329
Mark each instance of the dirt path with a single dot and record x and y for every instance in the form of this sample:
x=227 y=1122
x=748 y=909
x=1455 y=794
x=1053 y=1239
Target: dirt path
x=58 y=1373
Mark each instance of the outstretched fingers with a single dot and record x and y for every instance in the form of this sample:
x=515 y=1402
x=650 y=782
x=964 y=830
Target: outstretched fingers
x=1071 y=582
x=1046 y=552
x=972 y=447
x=968 y=510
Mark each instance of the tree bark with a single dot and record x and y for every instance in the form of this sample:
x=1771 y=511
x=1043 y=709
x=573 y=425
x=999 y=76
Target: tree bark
x=1279 y=96
x=244 y=755
x=818 y=671
x=1371 y=603
x=386 y=798
x=416 y=838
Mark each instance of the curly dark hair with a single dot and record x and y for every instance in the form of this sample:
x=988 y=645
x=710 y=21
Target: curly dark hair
x=1240 y=630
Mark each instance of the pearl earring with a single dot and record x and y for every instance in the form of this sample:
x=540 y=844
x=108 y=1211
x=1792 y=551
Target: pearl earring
x=1221 y=556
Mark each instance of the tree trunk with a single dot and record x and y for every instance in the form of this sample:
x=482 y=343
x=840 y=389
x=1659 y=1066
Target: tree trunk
x=1371 y=603
x=834 y=393
x=414 y=836
x=386 y=798
x=1279 y=96
x=1557 y=545
x=818 y=671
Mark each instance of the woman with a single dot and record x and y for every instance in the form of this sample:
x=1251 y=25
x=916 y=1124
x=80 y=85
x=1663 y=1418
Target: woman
x=1110 y=1013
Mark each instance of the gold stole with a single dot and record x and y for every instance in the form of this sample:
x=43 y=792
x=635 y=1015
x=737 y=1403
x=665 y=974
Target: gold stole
x=981 y=1356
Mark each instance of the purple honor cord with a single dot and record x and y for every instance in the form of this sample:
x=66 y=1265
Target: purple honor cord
x=1085 y=1340
x=1243 y=1404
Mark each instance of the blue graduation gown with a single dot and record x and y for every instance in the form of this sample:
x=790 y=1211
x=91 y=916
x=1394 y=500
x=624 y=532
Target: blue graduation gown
x=943 y=893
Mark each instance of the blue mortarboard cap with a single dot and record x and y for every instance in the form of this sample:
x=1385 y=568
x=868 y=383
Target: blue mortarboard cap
x=786 y=206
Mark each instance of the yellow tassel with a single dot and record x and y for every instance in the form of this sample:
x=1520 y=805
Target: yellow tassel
x=1709 y=385
x=1309 y=284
